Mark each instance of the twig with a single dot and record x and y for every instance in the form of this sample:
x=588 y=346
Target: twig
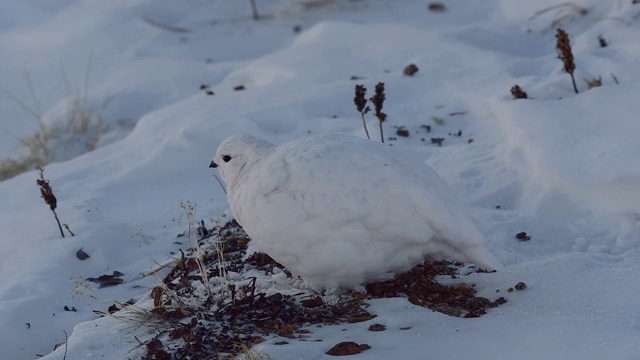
x=364 y=123
x=153 y=271
x=571 y=6
x=69 y=230
x=615 y=79
x=165 y=26
x=221 y=184
x=254 y=10
x=66 y=344
x=565 y=11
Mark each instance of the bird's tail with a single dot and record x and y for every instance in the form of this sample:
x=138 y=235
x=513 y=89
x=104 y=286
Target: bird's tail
x=483 y=258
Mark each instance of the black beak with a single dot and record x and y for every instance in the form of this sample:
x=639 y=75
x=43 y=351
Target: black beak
x=213 y=165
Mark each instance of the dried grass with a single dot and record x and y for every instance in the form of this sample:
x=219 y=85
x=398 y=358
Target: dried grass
x=82 y=123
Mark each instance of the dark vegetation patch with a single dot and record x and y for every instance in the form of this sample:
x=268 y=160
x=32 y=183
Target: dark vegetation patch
x=247 y=316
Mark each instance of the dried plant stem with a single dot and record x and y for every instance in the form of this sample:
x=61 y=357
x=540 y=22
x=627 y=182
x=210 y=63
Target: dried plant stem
x=46 y=192
x=563 y=45
x=361 y=105
x=227 y=288
x=573 y=7
x=154 y=271
x=66 y=344
x=204 y=274
x=198 y=254
x=163 y=26
x=58 y=221
x=573 y=80
x=254 y=10
x=69 y=230
x=221 y=184
x=615 y=78
x=364 y=123
x=518 y=93
x=378 y=102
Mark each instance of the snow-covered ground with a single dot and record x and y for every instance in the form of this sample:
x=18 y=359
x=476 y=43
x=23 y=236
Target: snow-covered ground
x=563 y=167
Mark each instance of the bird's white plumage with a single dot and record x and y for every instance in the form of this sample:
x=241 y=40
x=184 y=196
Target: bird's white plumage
x=341 y=211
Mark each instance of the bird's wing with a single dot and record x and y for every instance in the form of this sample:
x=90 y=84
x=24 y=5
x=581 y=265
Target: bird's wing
x=322 y=180
x=357 y=185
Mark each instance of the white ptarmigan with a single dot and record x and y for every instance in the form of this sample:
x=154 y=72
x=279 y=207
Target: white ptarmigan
x=341 y=211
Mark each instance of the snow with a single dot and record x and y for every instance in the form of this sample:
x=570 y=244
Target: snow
x=562 y=166
x=594 y=134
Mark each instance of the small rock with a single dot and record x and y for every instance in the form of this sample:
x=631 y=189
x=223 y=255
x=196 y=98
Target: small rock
x=522 y=236
x=347 y=348
x=360 y=318
x=521 y=286
x=478 y=303
x=449 y=310
x=154 y=344
x=436 y=7
x=377 y=327
x=402 y=132
x=80 y=254
x=473 y=314
x=518 y=93
x=239 y=88
x=312 y=303
x=410 y=70
x=499 y=301
x=206 y=89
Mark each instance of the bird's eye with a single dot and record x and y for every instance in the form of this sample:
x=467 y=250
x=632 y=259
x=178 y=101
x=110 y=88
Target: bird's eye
x=226 y=158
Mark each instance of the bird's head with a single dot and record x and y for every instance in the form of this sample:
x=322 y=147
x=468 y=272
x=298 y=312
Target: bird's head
x=235 y=154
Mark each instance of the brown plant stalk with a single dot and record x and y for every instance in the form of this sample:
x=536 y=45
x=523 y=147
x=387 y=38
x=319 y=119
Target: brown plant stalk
x=361 y=105
x=518 y=93
x=378 y=102
x=565 y=54
x=49 y=198
x=254 y=10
